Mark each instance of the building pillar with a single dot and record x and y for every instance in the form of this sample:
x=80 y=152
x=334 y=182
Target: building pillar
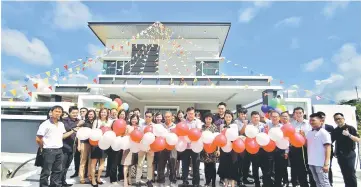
x=268 y=95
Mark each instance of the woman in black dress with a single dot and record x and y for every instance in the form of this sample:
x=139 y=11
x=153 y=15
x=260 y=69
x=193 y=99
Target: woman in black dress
x=228 y=167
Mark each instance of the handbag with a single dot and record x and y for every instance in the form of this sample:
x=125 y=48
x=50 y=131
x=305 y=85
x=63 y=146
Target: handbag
x=39 y=160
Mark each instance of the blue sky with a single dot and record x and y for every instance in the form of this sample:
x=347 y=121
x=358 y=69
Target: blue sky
x=314 y=45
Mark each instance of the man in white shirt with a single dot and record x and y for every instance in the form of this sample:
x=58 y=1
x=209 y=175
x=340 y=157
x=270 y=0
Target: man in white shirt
x=137 y=112
x=143 y=154
x=167 y=156
x=192 y=122
x=50 y=137
x=298 y=156
x=319 y=151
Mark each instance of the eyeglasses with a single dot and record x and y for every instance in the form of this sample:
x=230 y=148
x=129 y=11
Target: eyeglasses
x=148 y=116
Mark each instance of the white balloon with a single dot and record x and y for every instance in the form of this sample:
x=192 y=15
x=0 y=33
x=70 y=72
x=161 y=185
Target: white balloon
x=171 y=138
x=197 y=146
x=263 y=139
x=144 y=147
x=231 y=134
x=181 y=144
x=251 y=131
x=134 y=147
x=104 y=144
x=227 y=148
x=275 y=134
x=125 y=142
x=207 y=137
x=283 y=143
x=117 y=143
x=96 y=134
x=215 y=134
x=83 y=133
x=148 y=138
x=159 y=130
x=109 y=136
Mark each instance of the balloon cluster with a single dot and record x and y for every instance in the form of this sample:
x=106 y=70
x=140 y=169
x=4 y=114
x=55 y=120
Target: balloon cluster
x=118 y=104
x=158 y=138
x=275 y=104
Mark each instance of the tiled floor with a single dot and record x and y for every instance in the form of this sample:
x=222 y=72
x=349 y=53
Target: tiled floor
x=30 y=176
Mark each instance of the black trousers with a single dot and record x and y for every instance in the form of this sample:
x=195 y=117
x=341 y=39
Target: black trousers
x=109 y=164
x=52 y=166
x=67 y=159
x=240 y=166
x=210 y=173
x=262 y=160
x=330 y=175
x=280 y=164
x=77 y=159
x=347 y=166
x=299 y=167
x=165 y=157
x=245 y=166
x=116 y=169
x=186 y=155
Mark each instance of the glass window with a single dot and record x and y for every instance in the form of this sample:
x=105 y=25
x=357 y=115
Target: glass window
x=109 y=66
x=207 y=68
x=144 y=60
x=162 y=110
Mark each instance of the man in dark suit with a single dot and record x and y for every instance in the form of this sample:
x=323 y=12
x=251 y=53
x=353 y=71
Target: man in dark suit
x=329 y=129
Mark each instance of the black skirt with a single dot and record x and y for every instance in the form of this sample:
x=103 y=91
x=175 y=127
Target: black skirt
x=228 y=166
x=97 y=153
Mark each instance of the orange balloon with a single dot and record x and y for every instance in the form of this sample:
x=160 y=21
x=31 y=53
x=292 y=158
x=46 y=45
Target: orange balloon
x=119 y=127
x=266 y=115
x=209 y=148
x=194 y=134
x=297 y=140
x=136 y=135
x=159 y=144
x=270 y=146
x=93 y=143
x=220 y=140
x=182 y=129
x=238 y=145
x=148 y=128
x=252 y=146
x=288 y=130
x=169 y=147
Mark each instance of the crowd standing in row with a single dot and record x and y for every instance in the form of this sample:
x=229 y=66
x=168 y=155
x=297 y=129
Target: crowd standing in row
x=310 y=164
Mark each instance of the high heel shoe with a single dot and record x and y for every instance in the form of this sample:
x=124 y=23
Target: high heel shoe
x=94 y=185
x=100 y=182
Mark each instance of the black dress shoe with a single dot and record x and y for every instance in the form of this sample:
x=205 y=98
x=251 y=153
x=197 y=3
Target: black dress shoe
x=248 y=181
x=75 y=175
x=66 y=185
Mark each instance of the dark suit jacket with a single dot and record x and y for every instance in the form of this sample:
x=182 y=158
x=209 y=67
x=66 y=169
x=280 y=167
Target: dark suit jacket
x=329 y=129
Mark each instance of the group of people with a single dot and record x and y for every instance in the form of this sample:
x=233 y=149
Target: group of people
x=310 y=164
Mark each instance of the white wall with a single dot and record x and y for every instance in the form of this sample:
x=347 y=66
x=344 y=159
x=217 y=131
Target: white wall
x=169 y=53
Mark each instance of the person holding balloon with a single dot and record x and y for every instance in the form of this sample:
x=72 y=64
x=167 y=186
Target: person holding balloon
x=210 y=153
x=179 y=118
x=147 y=124
x=279 y=155
x=168 y=155
x=190 y=123
x=98 y=154
x=85 y=148
x=298 y=155
x=127 y=157
x=228 y=167
x=259 y=157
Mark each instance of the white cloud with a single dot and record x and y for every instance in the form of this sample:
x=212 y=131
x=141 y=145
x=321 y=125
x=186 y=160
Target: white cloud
x=341 y=84
x=77 y=79
x=331 y=7
x=34 y=51
x=291 y=21
x=247 y=14
x=313 y=65
x=71 y=15
x=295 y=44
